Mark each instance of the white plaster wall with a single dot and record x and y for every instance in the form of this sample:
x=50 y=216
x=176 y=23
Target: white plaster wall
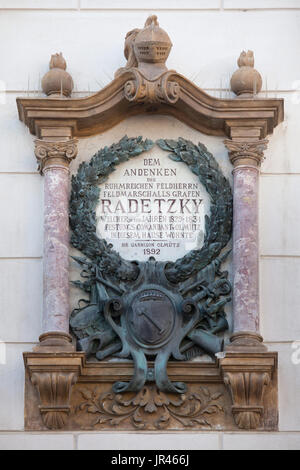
x=90 y=33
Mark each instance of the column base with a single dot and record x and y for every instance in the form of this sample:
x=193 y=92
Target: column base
x=55 y=341
x=246 y=341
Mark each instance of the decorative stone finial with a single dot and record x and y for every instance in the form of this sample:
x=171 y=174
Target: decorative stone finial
x=246 y=81
x=57 y=82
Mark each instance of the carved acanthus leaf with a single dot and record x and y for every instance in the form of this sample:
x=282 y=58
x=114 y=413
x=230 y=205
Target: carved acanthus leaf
x=187 y=410
x=243 y=151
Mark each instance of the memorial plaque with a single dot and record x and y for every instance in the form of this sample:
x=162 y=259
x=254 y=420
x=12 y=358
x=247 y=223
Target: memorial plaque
x=152 y=219
x=152 y=206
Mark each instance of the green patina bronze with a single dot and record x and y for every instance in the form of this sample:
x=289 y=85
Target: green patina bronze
x=151 y=309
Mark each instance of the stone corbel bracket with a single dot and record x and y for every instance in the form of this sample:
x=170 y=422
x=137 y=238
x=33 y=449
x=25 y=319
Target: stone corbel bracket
x=249 y=376
x=54 y=375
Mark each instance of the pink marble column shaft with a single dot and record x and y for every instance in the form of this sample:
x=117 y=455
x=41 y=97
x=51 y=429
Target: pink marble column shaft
x=245 y=249
x=56 y=249
x=54 y=158
x=246 y=153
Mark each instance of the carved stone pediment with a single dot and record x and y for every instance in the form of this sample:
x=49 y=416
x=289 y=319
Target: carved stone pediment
x=145 y=85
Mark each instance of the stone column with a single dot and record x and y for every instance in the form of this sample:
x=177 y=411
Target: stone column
x=246 y=157
x=54 y=158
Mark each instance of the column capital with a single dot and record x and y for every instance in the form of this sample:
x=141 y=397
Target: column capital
x=246 y=151
x=55 y=153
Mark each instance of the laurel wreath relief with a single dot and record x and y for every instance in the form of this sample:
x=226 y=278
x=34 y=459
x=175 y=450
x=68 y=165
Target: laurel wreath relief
x=85 y=194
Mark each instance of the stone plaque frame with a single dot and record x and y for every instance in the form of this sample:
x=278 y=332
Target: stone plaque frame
x=62 y=389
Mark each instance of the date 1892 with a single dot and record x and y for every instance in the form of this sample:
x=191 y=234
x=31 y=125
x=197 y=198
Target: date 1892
x=151 y=251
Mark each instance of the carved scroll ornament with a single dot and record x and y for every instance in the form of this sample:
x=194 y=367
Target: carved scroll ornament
x=151 y=408
x=161 y=90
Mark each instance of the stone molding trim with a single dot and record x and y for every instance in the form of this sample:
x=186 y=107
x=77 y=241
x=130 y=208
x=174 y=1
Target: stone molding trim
x=246 y=152
x=51 y=154
x=247 y=376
